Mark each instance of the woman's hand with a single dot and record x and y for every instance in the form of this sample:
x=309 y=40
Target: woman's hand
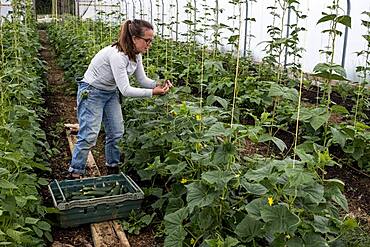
x=164 y=82
x=161 y=90
x=169 y=83
x=162 y=87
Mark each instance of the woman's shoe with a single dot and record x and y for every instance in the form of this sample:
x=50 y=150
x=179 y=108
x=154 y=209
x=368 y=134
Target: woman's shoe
x=112 y=170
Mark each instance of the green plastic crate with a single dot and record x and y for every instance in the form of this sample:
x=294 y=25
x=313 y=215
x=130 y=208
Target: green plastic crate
x=77 y=212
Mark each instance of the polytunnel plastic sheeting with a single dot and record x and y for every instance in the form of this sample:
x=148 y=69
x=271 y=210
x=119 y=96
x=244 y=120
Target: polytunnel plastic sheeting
x=253 y=34
x=5 y=7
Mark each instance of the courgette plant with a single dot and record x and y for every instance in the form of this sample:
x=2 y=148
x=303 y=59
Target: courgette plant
x=330 y=71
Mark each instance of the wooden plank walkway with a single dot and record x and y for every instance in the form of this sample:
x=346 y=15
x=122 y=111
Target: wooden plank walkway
x=105 y=234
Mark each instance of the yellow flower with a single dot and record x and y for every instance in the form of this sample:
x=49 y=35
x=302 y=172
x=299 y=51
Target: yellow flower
x=198 y=117
x=192 y=241
x=183 y=181
x=270 y=201
x=198 y=146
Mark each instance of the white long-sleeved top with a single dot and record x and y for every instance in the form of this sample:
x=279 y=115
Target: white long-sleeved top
x=110 y=69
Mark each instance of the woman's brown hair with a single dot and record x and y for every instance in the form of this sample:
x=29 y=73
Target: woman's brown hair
x=128 y=30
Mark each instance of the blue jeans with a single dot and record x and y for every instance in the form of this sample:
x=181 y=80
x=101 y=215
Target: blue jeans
x=95 y=106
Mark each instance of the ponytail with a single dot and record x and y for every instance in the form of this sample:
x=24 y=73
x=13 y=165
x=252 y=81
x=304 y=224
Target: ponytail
x=128 y=30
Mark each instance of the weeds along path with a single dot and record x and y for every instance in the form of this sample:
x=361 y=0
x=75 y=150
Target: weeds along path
x=61 y=107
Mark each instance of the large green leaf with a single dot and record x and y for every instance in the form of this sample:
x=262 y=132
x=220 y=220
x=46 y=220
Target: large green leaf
x=223 y=153
x=259 y=174
x=3 y=171
x=284 y=92
x=7 y=185
x=339 y=109
x=174 y=228
x=330 y=76
x=15 y=235
x=291 y=94
x=44 y=225
x=338 y=69
x=256 y=189
x=345 y=20
x=38 y=231
x=42 y=181
x=21 y=201
x=337 y=196
x=199 y=195
x=326 y=18
x=321 y=224
x=338 y=137
x=305 y=157
x=276 y=90
x=254 y=207
x=295 y=242
x=30 y=220
x=249 y=228
x=212 y=99
x=217 y=129
x=228 y=242
x=176 y=168
x=330 y=71
x=176 y=218
x=314 y=193
x=206 y=219
x=14 y=157
x=174 y=204
x=176 y=238
x=298 y=176
x=220 y=178
x=304 y=115
x=314 y=240
x=319 y=120
x=279 y=219
x=278 y=142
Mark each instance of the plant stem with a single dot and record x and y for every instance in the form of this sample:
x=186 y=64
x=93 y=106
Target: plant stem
x=237 y=69
x=333 y=39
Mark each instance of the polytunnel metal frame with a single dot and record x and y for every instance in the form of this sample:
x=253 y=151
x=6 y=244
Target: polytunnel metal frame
x=151 y=11
x=162 y=34
x=344 y=52
x=177 y=19
x=141 y=9
x=126 y=7
x=246 y=28
x=133 y=9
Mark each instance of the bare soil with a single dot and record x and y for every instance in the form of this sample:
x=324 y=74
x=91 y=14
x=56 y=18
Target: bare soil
x=356 y=190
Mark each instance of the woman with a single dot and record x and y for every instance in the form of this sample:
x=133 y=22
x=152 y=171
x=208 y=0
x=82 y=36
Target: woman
x=98 y=93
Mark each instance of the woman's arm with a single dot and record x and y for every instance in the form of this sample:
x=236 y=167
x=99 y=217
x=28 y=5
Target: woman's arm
x=141 y=76
x=118 y=65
